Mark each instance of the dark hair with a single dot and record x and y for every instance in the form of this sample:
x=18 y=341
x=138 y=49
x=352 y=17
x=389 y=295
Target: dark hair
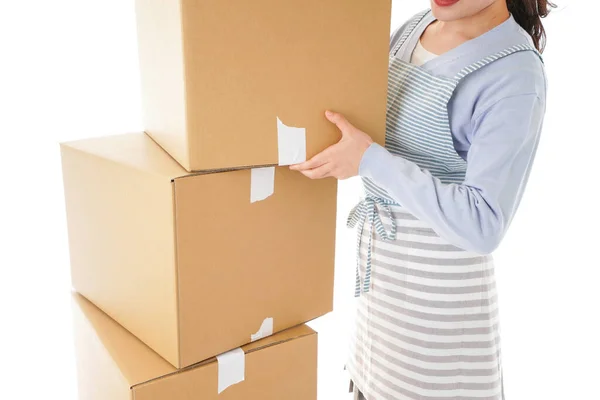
x=529 y=14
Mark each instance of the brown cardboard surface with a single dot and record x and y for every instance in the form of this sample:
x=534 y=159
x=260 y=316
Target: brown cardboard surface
x=120 y=222
x=178 y=259
x=275 y=250
x=216 y=75
x=133 y=151
x=114 y=364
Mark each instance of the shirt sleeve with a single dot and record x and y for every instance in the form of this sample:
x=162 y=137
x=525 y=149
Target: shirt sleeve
x=473 y=215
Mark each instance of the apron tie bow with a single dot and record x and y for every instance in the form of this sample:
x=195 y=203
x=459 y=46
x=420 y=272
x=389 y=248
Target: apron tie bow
x=367 y=209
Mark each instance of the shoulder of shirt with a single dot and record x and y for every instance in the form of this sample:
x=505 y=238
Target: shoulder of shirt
x=518 y=74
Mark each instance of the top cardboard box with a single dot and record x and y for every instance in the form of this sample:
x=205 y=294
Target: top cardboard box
x=222 y=80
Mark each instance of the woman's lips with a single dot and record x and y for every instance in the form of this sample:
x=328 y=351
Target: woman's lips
x=446 y=3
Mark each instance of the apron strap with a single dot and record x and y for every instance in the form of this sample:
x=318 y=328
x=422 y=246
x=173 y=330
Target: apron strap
x=409 y=30
x=367 y=209
x=469 y=69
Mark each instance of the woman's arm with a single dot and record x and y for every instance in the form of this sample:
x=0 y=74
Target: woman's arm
x=473 y=215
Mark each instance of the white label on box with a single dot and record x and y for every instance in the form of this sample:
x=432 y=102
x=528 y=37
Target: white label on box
x=266 y=329
x=291 y=144
x=231 y=366
x=262 y=183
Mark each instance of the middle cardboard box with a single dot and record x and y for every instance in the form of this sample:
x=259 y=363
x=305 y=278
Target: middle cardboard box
x=196 y=264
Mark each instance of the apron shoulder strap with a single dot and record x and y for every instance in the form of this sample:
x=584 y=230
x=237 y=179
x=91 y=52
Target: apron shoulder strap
x=469 y=69
x=409 y=30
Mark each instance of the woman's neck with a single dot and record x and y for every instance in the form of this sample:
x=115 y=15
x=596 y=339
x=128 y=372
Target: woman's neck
x=442 y=36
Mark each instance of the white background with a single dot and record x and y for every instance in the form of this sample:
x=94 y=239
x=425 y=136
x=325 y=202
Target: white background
x=68 y=70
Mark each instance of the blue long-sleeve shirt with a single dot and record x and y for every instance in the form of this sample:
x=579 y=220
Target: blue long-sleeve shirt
x=496 y=116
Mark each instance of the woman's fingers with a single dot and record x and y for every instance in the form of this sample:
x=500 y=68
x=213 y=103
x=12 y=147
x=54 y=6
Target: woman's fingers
x=320 y=159
x=326 y=155
x=313 y=163
x=339 y=120
x=321 y=172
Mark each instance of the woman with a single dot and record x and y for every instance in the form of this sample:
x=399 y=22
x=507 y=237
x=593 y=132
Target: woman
x=466 y=100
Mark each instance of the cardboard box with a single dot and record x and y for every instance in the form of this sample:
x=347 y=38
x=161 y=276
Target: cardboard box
x=112 y=364
x=187 y=262
x=217 y=75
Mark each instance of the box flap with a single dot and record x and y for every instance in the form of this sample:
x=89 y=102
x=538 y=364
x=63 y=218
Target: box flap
x=137 y=362
x=286 y=370
x=276 y=339
x=136 y=150
x=284 y=336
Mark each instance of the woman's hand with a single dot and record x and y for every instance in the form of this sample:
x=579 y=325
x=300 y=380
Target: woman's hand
x=342 y=159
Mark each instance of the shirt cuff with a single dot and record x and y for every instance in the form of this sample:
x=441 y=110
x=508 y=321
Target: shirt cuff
x=373 y=162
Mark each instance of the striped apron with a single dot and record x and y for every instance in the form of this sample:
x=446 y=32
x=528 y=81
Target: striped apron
x=427 y=317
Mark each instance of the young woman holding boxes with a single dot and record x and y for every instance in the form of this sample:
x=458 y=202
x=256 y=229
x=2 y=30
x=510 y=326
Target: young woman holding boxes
x=466 y=101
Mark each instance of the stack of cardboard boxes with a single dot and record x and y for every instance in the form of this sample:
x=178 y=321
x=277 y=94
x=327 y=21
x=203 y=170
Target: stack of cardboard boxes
x=204 y=252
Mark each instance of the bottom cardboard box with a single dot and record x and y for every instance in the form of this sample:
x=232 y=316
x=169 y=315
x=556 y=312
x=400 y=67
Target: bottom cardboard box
x=112 y=364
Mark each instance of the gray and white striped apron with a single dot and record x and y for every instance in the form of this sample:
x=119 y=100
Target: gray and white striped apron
x=427 y=318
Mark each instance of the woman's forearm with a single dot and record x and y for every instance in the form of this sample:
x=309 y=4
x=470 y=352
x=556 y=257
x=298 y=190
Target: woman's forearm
x=473 y=215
